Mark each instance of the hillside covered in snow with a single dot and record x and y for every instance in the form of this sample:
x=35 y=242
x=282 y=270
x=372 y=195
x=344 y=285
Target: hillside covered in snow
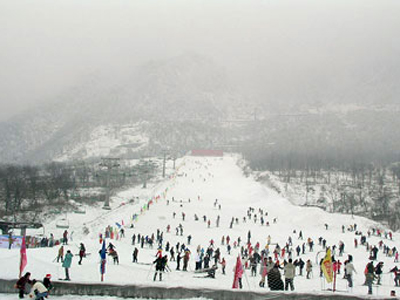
x=211 y=189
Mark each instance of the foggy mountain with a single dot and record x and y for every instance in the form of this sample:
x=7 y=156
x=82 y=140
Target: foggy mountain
x=189 y=88
x=185 y=102
x=190 y=101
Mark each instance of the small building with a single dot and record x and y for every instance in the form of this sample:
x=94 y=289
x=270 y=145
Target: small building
x=207 y=152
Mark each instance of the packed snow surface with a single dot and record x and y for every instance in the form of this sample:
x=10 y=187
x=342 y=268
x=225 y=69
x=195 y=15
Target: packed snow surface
x=73 y=297
x=193 y=189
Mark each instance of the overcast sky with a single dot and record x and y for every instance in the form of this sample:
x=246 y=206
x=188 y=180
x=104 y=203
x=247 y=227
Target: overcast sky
x=48 y=46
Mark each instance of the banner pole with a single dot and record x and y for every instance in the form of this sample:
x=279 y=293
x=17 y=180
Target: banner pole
x=334 y=281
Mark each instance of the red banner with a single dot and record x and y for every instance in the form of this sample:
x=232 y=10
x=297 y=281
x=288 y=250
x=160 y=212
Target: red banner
x=24 y=260
x=238 y=273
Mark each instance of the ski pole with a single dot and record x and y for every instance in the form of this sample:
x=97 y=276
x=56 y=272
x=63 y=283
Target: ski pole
x=148 y=273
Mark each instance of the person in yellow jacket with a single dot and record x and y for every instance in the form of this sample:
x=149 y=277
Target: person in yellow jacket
x=60 y=254
x=38 y=290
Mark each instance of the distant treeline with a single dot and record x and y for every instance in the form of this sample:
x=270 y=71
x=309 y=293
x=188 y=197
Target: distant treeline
x=356 y=156
x=38 y=188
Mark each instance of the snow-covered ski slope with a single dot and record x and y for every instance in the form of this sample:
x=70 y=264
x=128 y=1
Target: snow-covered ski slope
x=74 y=297
x=203 y=180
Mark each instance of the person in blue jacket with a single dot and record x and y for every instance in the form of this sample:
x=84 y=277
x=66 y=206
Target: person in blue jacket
x=67 y=264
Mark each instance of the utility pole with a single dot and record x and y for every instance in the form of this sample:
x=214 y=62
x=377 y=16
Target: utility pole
x=109 y=163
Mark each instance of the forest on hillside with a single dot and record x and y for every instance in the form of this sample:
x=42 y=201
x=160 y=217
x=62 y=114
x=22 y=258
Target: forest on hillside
x=30 y=192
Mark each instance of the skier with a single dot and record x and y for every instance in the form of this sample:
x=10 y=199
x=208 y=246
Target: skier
x=135 y=255
x=298 y=249
x=178 y=261
x=113 y=253
x=38 y=290
x=206 y=261
x=82 y=253
x=67 y=264
x=217 y=256
x=186 y=259
x=10 y=240
x=274 y=278
x=270 y=264
x=396 y=273
x=308 y=269
x=263 y=272
x=253 y=265
x=370 y=276
x=23 y=285
x=290 y=272
x=110 y=246
x=172 y=253
x=160 y=266
x=198 y=261
x=228 y=249
x=349 y=268
x=133 y=239
x=181 y=229
x=47 y=283
x=60 y=254
x=65 y=237
x=374 y=253
x=51 y=240
x=341 y=248
x=301 y=264
x=223 y=264
x=311 y=245
x=378 y=272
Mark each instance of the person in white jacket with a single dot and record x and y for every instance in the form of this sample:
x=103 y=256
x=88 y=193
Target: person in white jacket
x=38 y=290
x=349 y=268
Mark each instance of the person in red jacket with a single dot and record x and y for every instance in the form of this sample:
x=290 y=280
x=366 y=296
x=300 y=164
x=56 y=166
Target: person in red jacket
x=396 y=272
x=223 y=264
x=82 y=253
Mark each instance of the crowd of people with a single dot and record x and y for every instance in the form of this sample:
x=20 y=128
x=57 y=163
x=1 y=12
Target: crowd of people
x=34 y=288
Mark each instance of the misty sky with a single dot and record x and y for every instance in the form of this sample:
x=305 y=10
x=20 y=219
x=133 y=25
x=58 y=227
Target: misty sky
x=49 y=46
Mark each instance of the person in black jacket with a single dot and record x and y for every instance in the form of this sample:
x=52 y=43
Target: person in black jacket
x=135 y=255
x=378 y=272
x=23 y=285
x=178 y=261
x=160 y=262
x=47 y=283
x=82 y=253
x=275 y=281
